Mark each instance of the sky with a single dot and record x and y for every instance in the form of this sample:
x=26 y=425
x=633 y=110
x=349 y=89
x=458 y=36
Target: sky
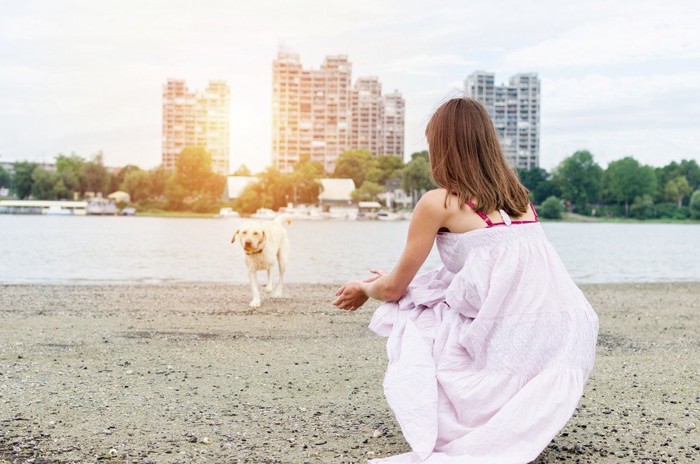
x=619 y=78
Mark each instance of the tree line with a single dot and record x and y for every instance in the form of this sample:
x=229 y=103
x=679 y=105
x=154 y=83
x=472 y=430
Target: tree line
x=192 y=186
x=371 y=174
x=625 y=188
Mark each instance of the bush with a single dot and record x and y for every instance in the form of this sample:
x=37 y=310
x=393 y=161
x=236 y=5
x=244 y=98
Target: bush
x=552 y=208
x=642 y=207
x=612 y=211
x=695 y=205
x=204 y=204
x=671 y=211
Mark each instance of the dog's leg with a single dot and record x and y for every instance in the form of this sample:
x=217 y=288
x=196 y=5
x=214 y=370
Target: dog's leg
x=268 y=285
x=282 y=264
x=255 y=302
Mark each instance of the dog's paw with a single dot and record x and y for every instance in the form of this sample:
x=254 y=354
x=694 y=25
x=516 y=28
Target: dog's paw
x=268 y=288
x=255 y=303
x=277 y=293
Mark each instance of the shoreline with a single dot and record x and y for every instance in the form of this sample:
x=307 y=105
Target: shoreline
x=179 y=372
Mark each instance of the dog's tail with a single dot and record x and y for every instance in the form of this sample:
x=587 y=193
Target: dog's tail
x=283 y=218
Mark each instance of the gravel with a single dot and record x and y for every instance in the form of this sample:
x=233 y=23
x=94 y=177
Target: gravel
x=189 y=373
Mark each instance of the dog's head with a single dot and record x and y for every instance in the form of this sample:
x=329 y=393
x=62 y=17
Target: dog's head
x=252 y=237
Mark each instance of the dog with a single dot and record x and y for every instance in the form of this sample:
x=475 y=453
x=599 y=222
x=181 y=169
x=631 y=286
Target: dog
x=265 y=244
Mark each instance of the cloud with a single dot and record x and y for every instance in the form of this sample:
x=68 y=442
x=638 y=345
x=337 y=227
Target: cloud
x=423 y=64
x=602 y=101
x=632 y=35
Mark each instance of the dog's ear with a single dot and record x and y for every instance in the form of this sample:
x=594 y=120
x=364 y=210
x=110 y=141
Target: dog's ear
x=235 y=234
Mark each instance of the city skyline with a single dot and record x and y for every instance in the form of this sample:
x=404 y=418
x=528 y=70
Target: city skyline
x=617 y=78
x=320 y=112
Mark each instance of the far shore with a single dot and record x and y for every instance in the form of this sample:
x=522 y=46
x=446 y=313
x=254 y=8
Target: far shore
x=568 y=217
x=189 y=373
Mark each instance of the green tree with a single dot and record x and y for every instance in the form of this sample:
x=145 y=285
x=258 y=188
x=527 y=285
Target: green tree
x=252 y=198
x=69 y=168
x=304 y=181
x=159 y=178
x=686 y=168
x=354 y=164
x=552 y=208
x=539 y=182
x=579 y=179
x=193 y=169
x=415 y=177
x=23 y=180
x=384 y=168
x=94 y=176
x=695 y=205
x=626 y=179
x=369 y=191
x=691 y=171
x=643 y=207
x=677 y=189
x=117 y=180
x=174 y=194
x=48 y=185
x=425 y=154
x=243 y=171
x=137 y=184
x=5 y=178
x=198 y=187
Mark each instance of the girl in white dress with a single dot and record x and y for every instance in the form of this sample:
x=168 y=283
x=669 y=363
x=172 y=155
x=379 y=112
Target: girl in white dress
x=489 y=353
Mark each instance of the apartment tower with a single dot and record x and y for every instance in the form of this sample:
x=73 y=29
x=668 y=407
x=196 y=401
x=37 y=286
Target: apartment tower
x=514 y=109
x=393 y=124
x=318 y=112
x=196 y=119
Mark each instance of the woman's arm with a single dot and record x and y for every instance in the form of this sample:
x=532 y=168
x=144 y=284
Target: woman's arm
x=428 y=216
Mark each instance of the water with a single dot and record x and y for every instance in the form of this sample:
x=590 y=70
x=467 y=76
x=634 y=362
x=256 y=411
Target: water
x=70 y=250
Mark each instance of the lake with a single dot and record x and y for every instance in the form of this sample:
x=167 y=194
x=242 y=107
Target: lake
x=123 y=250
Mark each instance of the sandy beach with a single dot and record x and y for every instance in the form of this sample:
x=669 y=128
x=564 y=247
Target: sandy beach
x=189 y=373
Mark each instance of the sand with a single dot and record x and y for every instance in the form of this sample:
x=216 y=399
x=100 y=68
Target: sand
x=188 y=373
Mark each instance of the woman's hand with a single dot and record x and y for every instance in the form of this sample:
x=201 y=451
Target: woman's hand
x=351 y=296
x=377 y=274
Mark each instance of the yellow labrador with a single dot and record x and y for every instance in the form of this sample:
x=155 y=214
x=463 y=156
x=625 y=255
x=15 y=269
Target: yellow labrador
x=264 y=244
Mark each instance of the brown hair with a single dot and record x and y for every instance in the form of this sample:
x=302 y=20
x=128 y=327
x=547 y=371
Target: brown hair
x=466 y=158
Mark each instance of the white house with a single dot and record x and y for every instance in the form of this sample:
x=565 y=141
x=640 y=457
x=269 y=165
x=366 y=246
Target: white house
x=336 y=191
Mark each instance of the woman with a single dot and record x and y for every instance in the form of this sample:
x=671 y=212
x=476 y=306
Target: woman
x=488 y=354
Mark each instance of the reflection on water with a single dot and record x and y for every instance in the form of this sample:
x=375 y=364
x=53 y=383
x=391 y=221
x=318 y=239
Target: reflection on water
x=54 y=249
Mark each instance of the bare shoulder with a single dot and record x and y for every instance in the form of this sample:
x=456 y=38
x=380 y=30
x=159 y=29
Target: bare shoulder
x=433 y=198
x=432 y=205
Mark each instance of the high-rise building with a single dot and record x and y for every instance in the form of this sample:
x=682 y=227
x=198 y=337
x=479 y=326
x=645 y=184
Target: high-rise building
x=317 y=112
x=393 y=125
x=514 y=109
x=196 y=119
x=367 y=115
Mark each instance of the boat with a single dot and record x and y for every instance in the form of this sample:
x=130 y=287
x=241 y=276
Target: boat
x=304 y=212
x=388 y=216
x=57 y=210
x=367 y=210
x=264 y=213
x=101 y=207
x=347 y=213
x=228 y=212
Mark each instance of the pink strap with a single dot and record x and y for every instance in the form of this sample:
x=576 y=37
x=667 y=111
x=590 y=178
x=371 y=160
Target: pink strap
x=481 y=214
x=537 y=218
x=490 y=223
